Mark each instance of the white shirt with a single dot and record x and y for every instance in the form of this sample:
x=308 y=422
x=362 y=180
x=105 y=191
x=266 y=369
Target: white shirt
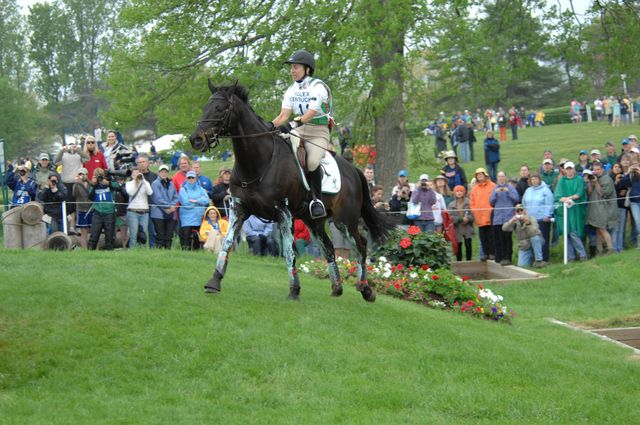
x=140 y=202
x=309 y=94
x=438 y=207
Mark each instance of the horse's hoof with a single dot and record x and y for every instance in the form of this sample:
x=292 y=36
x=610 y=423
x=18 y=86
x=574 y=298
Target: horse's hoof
x=294 y=293
x=336 y=290
x=212 y=286
x=209 y=290
x=368 y=293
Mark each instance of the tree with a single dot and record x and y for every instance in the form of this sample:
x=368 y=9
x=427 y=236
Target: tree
x=13 y=64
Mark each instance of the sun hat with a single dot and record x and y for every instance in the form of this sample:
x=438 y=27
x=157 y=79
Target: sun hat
x=403 y=173
x=440 y=176
x=481 y=170
x=43 y=156
x=450 y=154
x=424 y=177
x=569 y=164
x=563 y=161
x=164 y=167
x=633 y=136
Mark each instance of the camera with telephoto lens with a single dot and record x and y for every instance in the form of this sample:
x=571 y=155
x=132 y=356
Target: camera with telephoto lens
x=125 y=172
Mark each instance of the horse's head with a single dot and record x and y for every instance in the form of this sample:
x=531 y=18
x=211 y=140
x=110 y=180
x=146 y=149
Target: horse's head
x=217 y=118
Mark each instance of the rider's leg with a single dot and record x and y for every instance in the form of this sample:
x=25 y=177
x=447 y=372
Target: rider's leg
x=316 y=144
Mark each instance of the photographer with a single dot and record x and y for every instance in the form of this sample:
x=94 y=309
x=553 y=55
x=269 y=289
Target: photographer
x=503 y=198
x=602 y=212
x=529 y=238
x=52 y=197
x=632 y=182
x=71 y=157
x=22 y=185
x=426 y=197
x=376 y=198
x=139 y=191
x=103 y=209
x=399 y=203
x=81 y=192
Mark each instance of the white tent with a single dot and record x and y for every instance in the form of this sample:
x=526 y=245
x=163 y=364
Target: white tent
x=163 y=143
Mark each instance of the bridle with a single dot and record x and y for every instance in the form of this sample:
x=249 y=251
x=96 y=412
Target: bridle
x=212 y=138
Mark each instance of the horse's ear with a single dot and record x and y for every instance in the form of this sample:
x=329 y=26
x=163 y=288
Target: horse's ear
x=212 y=88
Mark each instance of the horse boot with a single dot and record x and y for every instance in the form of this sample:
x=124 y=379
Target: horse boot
x=316 y=207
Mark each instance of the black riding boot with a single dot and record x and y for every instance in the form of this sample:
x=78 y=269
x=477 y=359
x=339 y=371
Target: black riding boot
x=316 y=207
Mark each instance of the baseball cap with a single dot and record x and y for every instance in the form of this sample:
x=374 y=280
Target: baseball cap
x=595 y=152
x=583 y=152
x=43 y=156
x=633 y=136
x=569 y=164
x=424 y=177
x=83 y=171
x=587 y=171
x=164 y=167
x=625 y=141
x=548 y=161
x=191 y=174
x=403 y=173
x=635 y=150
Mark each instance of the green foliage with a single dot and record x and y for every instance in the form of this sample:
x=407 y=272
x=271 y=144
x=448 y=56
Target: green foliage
x=415 y=248
x=13 y=47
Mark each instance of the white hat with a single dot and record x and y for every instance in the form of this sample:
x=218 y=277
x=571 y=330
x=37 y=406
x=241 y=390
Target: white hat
x=548 y=161
x=587 y=171
x=569 y=164
x=424 y=177
x=164 y=167
x=634 y=149
x=633 y=136
x=595 y=152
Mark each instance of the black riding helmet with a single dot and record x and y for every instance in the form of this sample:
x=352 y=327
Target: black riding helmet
x=302 y=57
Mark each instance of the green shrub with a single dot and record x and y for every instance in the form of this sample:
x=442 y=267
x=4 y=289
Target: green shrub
x=413 y=247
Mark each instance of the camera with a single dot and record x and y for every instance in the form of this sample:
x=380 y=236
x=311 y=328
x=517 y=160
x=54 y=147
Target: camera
x=125 y=172
x=591 y=177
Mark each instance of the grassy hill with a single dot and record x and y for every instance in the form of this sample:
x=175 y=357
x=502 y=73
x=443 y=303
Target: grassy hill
x=129 y=337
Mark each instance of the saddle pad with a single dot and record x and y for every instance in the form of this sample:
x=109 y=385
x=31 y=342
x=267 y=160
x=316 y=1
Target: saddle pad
x=331 y=181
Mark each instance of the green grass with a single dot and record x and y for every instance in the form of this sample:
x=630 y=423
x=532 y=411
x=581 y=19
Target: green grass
x=129 y=337
x=565 y=140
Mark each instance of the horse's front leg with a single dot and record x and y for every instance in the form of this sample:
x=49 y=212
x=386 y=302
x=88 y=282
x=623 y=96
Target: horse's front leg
x=285 y=224
x=236 y=218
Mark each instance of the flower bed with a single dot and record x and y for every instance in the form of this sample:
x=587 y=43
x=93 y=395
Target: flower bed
x=413 y=279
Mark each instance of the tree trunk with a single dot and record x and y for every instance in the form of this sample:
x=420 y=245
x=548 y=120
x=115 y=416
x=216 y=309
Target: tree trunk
x=387 y=63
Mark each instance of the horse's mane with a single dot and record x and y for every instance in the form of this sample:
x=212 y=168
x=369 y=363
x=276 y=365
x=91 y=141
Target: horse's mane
x=239 y=90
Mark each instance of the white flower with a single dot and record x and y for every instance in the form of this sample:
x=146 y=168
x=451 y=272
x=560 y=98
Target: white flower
x=382 y=259
x=304 y=268
x=413 y=275
x=386 y=274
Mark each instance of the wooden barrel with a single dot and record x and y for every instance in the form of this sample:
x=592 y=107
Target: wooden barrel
x=12 y=228
x=32 y=213
x=59 y=241
x=34 y=236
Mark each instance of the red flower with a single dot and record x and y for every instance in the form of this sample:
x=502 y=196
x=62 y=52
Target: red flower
x=413 y=230
x=399 y=267
x=397 y=285
x=456 y=303
x=424 y=267
x=463 y=308
x=405 y=243
x=469 y=303
x=465 y=278
x=478 y=310
x=435 y=277
x=479 y=285
x=353 y=269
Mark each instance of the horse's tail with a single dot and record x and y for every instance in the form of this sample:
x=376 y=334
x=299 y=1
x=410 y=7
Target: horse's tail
x=377 y=224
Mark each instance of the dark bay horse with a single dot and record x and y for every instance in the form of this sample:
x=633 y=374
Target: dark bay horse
x=266 y=182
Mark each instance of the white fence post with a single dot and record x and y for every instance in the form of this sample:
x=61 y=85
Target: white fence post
x=564 y=231
x=64 y=217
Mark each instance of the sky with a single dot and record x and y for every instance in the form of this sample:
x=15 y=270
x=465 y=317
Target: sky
x=579 y=5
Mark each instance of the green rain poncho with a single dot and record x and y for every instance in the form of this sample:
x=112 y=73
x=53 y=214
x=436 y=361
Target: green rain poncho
x=575 y=214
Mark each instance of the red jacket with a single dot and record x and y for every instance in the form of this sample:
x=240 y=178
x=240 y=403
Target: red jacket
x=300 y=231
x=96 y=160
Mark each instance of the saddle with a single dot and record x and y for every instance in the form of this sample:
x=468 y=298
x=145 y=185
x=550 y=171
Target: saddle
x=331 y=181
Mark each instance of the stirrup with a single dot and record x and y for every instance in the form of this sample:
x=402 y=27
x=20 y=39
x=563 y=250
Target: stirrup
x=316 y=209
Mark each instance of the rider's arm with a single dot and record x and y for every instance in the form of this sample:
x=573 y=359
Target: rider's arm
x=283 y=117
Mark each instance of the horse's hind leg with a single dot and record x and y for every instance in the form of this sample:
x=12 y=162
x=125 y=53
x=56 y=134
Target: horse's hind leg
x=235 y=223
x=359 y=243
x=286 y=225
x=326 y=246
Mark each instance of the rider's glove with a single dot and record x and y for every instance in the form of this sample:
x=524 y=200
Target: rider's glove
x=286 y=128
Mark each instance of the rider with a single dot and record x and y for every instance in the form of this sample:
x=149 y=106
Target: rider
x=310 y=99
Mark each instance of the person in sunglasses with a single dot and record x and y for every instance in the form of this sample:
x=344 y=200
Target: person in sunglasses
x=96 y=157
